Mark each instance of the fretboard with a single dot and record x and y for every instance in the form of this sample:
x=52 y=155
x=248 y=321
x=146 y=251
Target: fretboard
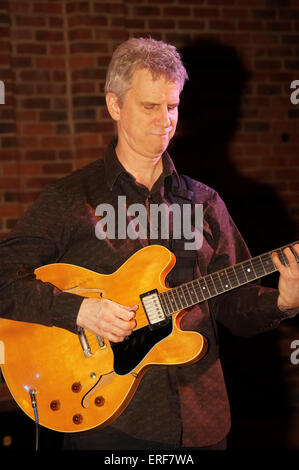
x=211 y=285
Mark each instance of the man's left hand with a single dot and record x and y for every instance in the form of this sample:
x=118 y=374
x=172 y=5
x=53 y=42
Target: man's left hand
x=288 y=284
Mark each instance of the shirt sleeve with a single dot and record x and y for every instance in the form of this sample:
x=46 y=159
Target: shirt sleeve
x=249 y=309
x=39 y=238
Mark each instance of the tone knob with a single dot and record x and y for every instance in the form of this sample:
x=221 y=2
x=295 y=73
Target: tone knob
x=77 y=419
x=55 y=405
x=99 y=401
x=76 y=387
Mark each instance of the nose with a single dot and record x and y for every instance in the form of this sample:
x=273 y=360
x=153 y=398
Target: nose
x=164 y=117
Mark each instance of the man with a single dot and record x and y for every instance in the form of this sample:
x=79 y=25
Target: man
x=173 y=407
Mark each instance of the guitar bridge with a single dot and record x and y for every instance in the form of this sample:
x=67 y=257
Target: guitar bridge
x=153 y=309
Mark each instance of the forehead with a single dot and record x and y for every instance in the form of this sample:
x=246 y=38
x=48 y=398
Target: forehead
x=144 y=85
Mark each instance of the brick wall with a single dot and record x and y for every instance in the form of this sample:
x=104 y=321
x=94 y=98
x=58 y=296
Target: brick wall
x=53 y=58
x=238 y=125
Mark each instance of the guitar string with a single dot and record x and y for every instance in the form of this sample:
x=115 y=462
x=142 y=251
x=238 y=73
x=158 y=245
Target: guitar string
x=204 y=288
x=211 y=285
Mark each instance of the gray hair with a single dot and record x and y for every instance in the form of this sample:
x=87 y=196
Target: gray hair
x=143 y=53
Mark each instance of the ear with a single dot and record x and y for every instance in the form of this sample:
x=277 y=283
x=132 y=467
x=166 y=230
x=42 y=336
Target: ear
x=113 y=106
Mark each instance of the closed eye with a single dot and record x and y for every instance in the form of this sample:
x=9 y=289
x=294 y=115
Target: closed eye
x=149 y=105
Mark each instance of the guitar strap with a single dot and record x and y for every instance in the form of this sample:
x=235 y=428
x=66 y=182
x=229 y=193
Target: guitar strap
x=185 y=268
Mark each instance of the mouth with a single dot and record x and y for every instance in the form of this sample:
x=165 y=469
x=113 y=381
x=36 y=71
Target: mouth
x=162 y=134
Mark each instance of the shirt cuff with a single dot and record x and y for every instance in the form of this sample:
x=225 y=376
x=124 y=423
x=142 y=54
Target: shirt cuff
x=65 y=310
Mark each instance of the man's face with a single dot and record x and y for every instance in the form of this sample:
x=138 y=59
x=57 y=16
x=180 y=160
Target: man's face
x=147 y=119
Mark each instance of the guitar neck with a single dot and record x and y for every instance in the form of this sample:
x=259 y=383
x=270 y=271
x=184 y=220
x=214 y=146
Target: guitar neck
x=211 y=285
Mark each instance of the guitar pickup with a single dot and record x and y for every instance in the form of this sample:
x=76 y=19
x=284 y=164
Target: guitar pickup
x=153 y=309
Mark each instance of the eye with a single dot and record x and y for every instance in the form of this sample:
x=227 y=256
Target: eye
x=149 y=105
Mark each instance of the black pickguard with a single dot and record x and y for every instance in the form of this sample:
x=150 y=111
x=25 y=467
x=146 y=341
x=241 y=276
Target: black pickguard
x=130 y=352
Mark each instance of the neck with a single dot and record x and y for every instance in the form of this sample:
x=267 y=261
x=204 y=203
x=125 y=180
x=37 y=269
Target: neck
x=145 y=170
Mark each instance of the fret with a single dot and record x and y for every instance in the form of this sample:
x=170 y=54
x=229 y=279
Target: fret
x=210 y=285
x=258 y=266
x=233 y=280
x=217 y=283
x=171 y=298
x=204 y=288
x=240 y=273
x=268 y=265
x=166 y=298
x=249 y=270
x=244 y=271
x=177 y=298
x=198 y=290
x=164 y=303
x=187 y=295
x=224 y=280
x=282 y=257
x=182 y=297
x=194 y=293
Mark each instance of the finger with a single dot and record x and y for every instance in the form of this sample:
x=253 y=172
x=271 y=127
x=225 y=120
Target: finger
x=123 y=328
x=290 y=257
x=125 y=314
x=114 y=338
x=296 y=250
x=275 y=258
x=132 y=308
x=115 y=334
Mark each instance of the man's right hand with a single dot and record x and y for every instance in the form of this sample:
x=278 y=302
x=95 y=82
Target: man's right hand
x=107 y=319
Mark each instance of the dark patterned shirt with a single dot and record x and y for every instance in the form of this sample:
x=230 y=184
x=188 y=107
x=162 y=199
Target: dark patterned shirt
x=173 y=404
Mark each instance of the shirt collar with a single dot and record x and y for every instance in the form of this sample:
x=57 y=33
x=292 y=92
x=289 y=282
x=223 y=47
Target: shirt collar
x=114 y=168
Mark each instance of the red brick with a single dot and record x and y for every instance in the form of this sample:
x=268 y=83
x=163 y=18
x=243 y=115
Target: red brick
x=87 y=47
x=146 y=11
x=222 y=25
x=21 y=168
x=109 y=8
x=82 y=61
x=58 y=168
x=56 y=142
x=86 y=20
x=86 y=140
x=191 y=24
x=50 y=62
x=48 y=8
x=31 y=48
x=40 y=155
x=20 y=7
x=38 y=129
x=39 y=183
x=9 y=183
x=30 y=21
x=10 y=210
x=80 y=34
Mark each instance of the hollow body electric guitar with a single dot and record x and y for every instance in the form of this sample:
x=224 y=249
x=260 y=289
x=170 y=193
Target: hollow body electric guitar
x=82 y=381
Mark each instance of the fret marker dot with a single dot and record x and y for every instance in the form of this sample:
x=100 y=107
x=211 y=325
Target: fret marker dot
x=248 y=270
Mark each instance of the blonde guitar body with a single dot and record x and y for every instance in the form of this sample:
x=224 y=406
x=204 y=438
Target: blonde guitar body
x=77 y=388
